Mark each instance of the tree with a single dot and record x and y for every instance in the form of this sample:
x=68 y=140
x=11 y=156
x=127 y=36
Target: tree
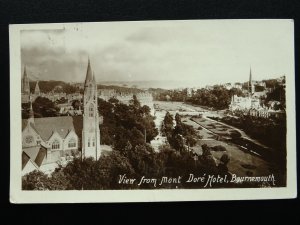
x=34 y=180
x=76 y=104
x=37 y=180
x=43 y=107
x=222 y=167
x=168 y=123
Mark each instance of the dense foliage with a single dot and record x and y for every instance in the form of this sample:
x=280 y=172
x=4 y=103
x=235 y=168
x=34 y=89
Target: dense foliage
x=42 y=107
x=217 y=97
x=57 y=86
x=181 y=136
x=123 y=123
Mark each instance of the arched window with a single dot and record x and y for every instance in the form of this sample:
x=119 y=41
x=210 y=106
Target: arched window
x=55 y=144
x=93 y=141
x=89 y=142
x=91 y=110
x=72 y=143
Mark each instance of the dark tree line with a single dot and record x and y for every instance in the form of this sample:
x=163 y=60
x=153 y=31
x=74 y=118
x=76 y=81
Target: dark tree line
x=181 y=136
x=217 y=97
x=126 y=122
x=58 y=86
x=42 y=107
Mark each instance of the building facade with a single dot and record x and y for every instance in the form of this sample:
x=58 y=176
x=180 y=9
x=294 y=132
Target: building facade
x=48 y=140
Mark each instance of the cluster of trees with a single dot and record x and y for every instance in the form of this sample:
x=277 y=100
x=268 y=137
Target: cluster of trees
x=59 y=86
x=277 y=94
x=106 y=173
x=180 y=135
x=123 y=123
x=42 y=107
x=217 y=97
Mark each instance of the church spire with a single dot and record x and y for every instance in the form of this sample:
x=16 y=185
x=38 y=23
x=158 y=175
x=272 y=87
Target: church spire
x=94 y=77
x=25 y=73
x=89 y=76
x=250 y=83
x=37 y=89
x=25 y=83
x=31 y=113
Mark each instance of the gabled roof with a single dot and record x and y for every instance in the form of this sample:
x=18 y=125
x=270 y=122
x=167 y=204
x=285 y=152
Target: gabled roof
x=34 y=154
x=46 y=126
x=25 y=159
x=40 y=156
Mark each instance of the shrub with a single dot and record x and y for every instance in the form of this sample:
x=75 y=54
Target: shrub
x=218 y=148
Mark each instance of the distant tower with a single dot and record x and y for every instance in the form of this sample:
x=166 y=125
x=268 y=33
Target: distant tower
x=25 y=83
x=91 y=131
x=250 y=84
x=37 y=91
x=31 y=113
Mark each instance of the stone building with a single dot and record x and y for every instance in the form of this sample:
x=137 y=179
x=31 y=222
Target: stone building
x=45 y=141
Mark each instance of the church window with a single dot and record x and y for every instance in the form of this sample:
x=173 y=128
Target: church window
x=91 y=110
x=55 y=144
x=93 y=142
x=72 y=143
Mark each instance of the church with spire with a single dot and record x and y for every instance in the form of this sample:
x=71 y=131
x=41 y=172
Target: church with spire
x=248 y=102
x=49 y=140
x=25 y=89
x=91 y=131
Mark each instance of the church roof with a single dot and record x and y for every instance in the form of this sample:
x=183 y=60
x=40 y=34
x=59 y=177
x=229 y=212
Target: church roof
x=36 y=154
x=46 y=126
x=32 y=152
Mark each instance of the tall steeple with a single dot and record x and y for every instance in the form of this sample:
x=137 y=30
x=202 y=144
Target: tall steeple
x=37 y=89
x=89 y=75
x=25 y=83
x=31 y=113
x=250 y=84
x=91 y=130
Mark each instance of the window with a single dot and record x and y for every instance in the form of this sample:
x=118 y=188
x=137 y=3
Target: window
x=91 y=110
x=38 y=142
x=93 y=142
x=89 y=142
x=72 y=143
x=55 y=144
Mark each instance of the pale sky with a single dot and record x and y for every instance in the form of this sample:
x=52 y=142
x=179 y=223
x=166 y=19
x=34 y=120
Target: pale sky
x=194 y=53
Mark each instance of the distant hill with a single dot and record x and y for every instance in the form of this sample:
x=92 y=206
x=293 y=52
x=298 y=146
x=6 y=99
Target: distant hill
x=59 y=86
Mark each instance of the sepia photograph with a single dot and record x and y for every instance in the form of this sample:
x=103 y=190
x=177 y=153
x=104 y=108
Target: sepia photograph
x=152 y=111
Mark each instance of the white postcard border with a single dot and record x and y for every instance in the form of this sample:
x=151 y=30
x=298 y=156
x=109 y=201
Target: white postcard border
x=17 y=195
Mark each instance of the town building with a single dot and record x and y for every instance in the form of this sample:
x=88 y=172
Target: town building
x=46 y=141
x=251 y=104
